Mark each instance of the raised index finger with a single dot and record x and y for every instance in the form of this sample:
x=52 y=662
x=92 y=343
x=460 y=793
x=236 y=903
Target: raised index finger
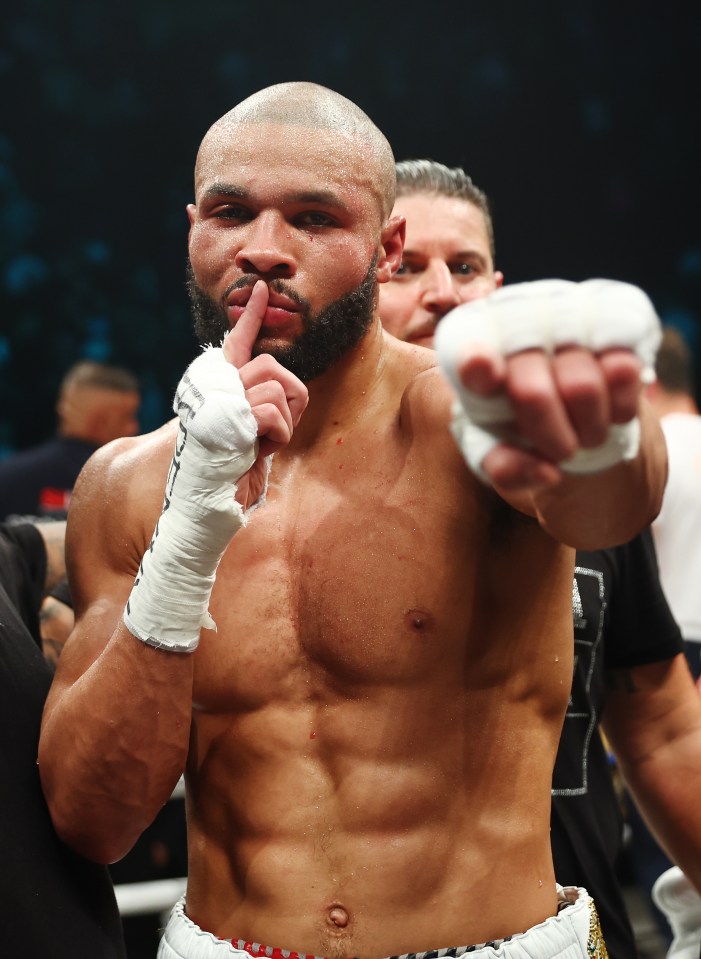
x=238 y=343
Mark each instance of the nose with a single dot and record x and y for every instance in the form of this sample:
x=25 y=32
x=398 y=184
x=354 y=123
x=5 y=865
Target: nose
x=438 y=294
x=267 y=248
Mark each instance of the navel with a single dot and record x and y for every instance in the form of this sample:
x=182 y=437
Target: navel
x=338 y=917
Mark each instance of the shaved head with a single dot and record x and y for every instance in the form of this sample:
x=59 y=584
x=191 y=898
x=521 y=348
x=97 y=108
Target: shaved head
x=315 y=108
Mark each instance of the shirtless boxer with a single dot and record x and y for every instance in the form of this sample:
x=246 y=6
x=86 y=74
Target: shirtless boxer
x=368 y=737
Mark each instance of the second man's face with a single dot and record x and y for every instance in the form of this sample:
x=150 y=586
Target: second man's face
x=447 y=261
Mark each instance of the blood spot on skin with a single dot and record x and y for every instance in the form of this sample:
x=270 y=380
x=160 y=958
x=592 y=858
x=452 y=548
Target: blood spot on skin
x=418 y=620
x=312 y=735
x=339 y=441
x=338 y=917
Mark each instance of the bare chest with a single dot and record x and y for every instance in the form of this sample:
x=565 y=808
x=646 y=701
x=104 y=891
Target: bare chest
x=348 y=575
x=368 y=568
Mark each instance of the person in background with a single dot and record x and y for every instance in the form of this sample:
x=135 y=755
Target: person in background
x=444 y=266
x=629 y=669
x=677 y=534
x=54 y=902
x=161 y=850
x=677 y=529
x=96 y=404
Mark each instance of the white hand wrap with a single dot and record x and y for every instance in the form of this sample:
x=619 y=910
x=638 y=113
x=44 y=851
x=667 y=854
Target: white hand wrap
x=546 y=315
x=680 y=903
x=215 y=446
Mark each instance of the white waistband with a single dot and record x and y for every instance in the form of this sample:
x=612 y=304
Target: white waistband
x=574 y=933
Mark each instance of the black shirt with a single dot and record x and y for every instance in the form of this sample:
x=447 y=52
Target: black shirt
x=621 y=619
x=39 y=481
x=53 y=903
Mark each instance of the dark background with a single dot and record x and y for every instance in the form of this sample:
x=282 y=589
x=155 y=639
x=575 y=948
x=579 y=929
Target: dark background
x=580 y=119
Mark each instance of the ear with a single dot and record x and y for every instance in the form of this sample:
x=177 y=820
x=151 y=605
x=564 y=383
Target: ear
x=191 y=214
x=391 y=247
x=498 y=279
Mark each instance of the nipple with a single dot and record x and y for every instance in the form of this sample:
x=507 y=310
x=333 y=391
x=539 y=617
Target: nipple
x=338 y=917
x=418 y=620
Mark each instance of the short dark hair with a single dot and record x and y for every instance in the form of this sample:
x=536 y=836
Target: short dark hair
x=674 y=365
x=100 y=376
x=429 y=176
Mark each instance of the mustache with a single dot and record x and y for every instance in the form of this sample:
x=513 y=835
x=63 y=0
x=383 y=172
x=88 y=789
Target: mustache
x=278 y=286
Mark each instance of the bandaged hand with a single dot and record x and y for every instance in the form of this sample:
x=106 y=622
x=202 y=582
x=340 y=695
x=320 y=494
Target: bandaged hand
x=548 y=377
x=680 y=904
x=230 y=420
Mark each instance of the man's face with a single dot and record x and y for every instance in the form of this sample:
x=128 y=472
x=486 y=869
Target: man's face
x=447 y=261
x=299 y=209
x=102 y=414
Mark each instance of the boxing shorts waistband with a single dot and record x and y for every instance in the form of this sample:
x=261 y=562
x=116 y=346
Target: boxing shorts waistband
x=574 y=933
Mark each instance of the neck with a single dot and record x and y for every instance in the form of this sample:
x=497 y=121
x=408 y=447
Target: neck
x=675 y=403
x=339 y=396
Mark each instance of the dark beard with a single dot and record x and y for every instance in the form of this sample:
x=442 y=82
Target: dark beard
x=325 y=338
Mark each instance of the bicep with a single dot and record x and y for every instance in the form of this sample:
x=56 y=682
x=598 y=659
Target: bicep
x=103 y=547
x=649 y=707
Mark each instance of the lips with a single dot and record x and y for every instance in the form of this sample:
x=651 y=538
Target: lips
x=424 y=333
x=279 y=312
x=276 y=301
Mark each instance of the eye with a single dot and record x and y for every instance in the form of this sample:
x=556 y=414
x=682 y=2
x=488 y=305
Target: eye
x=406 y=270
x=232 y=212
x=462 y=269
x=314 y=218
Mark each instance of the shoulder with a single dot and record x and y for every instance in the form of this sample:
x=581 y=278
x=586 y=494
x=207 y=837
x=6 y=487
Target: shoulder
x=140 y=460
x=119 y=495
x=425 y=412
x=682 y=432
x=425 y=394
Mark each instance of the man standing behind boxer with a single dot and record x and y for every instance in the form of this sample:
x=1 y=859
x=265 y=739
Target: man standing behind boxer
x=630 y=672
x=448 y=255
x=369 y=735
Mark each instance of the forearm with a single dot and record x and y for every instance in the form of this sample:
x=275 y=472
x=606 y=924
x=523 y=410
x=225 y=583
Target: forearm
x=113 y=745
x=56 y=621
x=666 y=788
x=653 y=722
x=54 y=536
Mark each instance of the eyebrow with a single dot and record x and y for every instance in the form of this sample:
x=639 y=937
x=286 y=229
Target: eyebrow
x=458 y=255
x=225 y=189
x=317 y=197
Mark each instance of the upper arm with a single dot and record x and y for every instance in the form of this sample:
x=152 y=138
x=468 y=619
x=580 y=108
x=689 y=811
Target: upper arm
x=112 y=515
x=650 y=707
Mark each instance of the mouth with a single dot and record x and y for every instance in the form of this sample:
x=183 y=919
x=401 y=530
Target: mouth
x=280 y=311
x=423 y=335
